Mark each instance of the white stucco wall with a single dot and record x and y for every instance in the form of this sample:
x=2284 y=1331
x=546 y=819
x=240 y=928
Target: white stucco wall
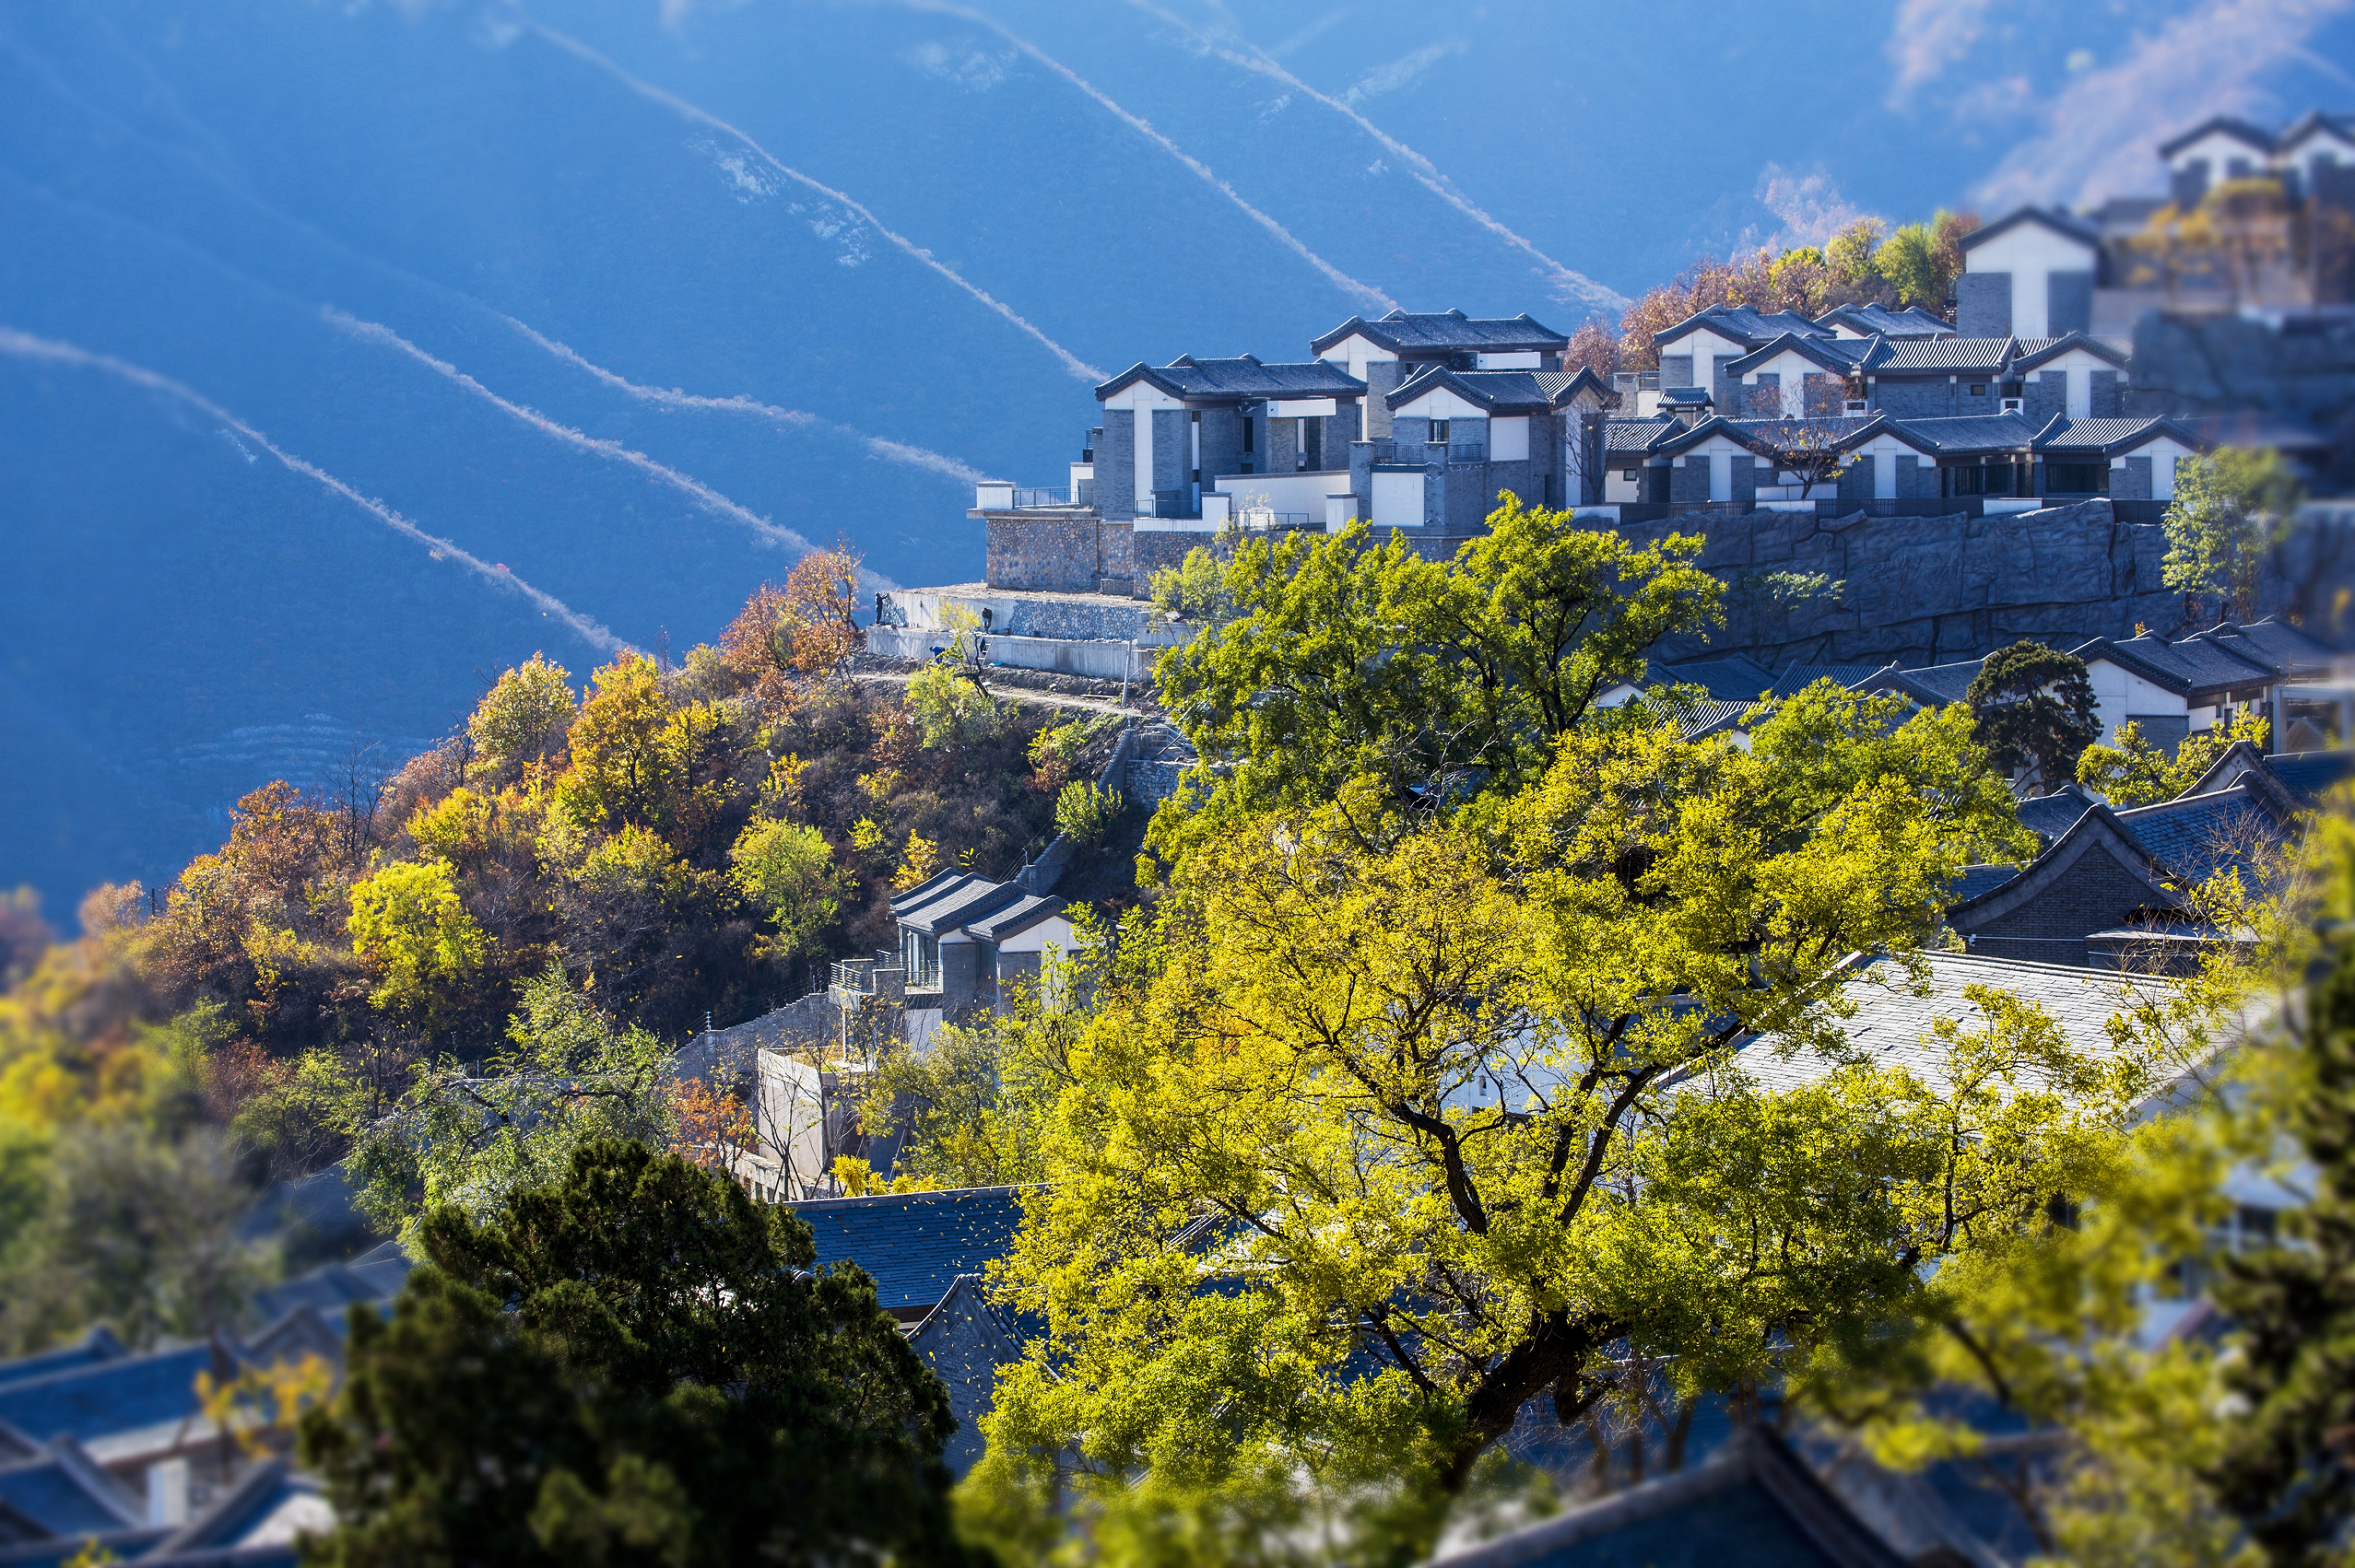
x=1398 y=500
x=2119 y=695
x=2030 y=252
x=1508 y=439
x=2218 y=147
x=1527 y=360
x=1439 y=403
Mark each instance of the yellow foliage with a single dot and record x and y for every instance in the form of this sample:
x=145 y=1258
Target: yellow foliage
x=919 y=861
x=859 y=1180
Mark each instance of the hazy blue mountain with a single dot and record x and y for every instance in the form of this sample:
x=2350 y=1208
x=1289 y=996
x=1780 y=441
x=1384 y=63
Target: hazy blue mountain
x=497 y=269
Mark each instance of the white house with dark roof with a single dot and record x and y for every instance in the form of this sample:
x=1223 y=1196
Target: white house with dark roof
x=2028 y=274
x=1880 y=321
x=1532 y=431
x=1383 y=354
x=1170 y=431
x=966 y=941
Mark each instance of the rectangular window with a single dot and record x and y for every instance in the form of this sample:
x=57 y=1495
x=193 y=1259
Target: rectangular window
x=1439 y=432
x=1247 y=432
x=1979 y=388
x=1628 y=473
x=920 y=955
x=2077 y=478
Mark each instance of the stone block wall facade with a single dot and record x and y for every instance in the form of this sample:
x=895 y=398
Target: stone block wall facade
x=2096 y=893
x=1926 y=590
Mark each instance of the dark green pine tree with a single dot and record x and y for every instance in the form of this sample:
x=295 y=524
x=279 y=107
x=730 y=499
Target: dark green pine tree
x=2032 y=705
x=2290 y=1470
x=635 y=1366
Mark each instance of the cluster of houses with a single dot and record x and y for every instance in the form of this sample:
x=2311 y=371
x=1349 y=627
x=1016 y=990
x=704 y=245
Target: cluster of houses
x=2021 y=397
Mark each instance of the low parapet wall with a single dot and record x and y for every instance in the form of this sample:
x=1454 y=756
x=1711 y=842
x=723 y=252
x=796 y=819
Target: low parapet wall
x=1100 y=658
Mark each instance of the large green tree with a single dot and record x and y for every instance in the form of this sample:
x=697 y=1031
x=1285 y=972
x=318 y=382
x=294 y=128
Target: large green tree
x=633 y=1365
x=2034 y=708
x=2231 y=511
x=1367 y=1140
x=1347 y=658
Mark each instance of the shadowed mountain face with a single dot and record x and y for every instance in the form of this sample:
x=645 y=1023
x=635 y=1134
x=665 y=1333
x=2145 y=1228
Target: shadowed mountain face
x=349 y=352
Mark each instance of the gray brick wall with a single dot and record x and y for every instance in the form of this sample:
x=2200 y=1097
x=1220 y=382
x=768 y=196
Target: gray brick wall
x=1912 y=476
x=1362 y=476
x=2136 y=485
x=1382 y=376
x=1341 y=430
x=2187 y=187
x=1824 y=393
x=2109 y=397
x=2093 y=894
x=1676 y=370
x=1170 y=448
x=1743 y=478
x=1856 y=480
x=1463 y=498
x=1722 y=386
x=1762 y=398
x=2068 y=303
x=1116 y=464
x=1915 y=399
x=1409 y=430
x=1223 y=444
x=1982 y=305
x=2046 y=394
x=1688 y=481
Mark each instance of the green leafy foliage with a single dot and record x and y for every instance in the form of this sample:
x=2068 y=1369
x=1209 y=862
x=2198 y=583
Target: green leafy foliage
x=1404 y=1088
x=2034 y=708
x=788 y=871
x=467 y=1137
x=2137 y=773
x=632 y=1364
x=1349 y=657
x=1195 y=590
x=2230 y=510
x=1084 y=811
x=948 y=706
x=524 y=715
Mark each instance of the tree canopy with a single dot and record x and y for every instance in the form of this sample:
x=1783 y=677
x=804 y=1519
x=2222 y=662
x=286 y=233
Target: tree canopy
x=1347 y=658
x=632 y=1365
x=2034 y=708
x=1365 y=1142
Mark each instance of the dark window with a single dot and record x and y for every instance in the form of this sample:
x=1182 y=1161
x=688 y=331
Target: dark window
x=1247 y=432
x=1979 y=388
x=2236 y=168
x=1439 y=431
x=1630 y=473
x=1989 y=477
x=2077 y=478
x=2257 y=1223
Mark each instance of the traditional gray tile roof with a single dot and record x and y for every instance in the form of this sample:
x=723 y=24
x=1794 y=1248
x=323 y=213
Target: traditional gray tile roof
x=2169 y=676
x=1498 y=391
x=1943 y=683
x=915 y=1244
x=2256 y=138
x=2310 y=121
x=1633 y=436
x=67 y=1493
x=2050 y=816
x=99 y=1345
x=961 y=908
x=2108 y=437
x=1891 y=1025
x=1944 y=355
x=1016 y=918
x=1971 y=432
x=1978 y=880
x=2310 y=775
x=1740 y=324
x=1753 y=1502
x=964 y=1341
x=2030 y=352
x=1836 y=355
x=1768 y=437
x=110 y=1397
x=1238 y=378
x=2059 y=222
x=1402 y=332
x=270 y=1494
x=1849 y=676
x=1870 y=320
x=377 y=1276
x=2211 y=666
x=2276 y=645
x=2198 y=834
x=1731 y=679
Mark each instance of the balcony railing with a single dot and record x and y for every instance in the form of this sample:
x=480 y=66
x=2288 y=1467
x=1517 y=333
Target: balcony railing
x=1392 y=451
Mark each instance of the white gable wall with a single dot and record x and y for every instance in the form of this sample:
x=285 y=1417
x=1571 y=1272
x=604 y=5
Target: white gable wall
x=2164 y=451
x=2030 y=252
x=1704 y=345
x=2218 y=148
x=1145 y=397
x=1439 y=403
x=2077 y=366
x=2119 y=695
x=1884 y=451
x=1356 y=353
x=1794 y=369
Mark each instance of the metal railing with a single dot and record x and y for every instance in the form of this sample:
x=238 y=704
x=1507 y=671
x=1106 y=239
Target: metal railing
x=1027 y=499
x=1467 y=451
x=1262 y=517
x=1166 y=504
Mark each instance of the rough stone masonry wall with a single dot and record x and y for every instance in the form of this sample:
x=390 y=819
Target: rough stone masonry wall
x=2216 y=363
x=1932 y=590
